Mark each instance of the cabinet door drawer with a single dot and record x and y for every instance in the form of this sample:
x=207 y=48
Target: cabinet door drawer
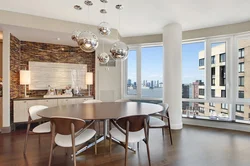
x=48 y=102
x=65 y=101
x=20 y=111
x=81 y=100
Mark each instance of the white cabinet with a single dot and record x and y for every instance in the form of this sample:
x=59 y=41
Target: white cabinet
x=48 y=103
x=20 y=111
x=81 y=100
x=65 y=101
x=21 y=106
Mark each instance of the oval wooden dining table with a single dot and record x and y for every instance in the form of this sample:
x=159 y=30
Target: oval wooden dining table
x=101 y=111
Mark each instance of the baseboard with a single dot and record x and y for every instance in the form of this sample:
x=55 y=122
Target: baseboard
x=176 y=126
x=5 y=129
x=218 y=125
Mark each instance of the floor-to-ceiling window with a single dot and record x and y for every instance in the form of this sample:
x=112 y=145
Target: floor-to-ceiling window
x=215 y=77
x=144 y=72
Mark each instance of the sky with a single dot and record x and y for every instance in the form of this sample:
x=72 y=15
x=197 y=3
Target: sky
x=152 y=63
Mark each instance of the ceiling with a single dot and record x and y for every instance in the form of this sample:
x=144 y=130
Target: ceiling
x=140 y=17
x=42 y=36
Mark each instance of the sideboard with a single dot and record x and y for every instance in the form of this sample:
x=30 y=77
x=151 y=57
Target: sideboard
x=21 y=105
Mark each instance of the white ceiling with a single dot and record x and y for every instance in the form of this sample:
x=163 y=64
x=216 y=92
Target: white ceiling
x=140 y=17
x=42 y=36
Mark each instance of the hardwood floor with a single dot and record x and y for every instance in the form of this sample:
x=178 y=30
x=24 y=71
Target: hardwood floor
x=193 y=146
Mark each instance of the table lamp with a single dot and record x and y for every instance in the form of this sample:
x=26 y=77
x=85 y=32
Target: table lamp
x=89 y=80
x=25 y=79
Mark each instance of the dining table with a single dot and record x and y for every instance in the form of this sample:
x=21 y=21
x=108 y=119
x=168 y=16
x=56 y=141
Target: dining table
x=104 y=111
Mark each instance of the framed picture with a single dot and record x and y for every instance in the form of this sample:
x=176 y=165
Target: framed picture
x=111 y=63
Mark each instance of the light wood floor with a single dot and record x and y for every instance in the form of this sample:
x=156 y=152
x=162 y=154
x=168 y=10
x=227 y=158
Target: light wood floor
x=193 y=146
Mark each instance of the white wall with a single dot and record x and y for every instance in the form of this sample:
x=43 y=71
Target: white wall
x=108 y=82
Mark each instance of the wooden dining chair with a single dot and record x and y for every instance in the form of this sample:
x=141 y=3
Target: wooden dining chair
x=130 y=129
x=94 y=101
x=158 y=121
x=42 y=128
x=70 y=132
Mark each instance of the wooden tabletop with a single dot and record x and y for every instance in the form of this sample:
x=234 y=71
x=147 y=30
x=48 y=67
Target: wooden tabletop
x=100 y=111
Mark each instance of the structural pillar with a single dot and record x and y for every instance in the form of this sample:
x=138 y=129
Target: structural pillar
x=172 y=73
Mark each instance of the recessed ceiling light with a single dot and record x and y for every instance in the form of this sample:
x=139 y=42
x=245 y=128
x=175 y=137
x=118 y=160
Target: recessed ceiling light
x=58 y=38
x=77 y=7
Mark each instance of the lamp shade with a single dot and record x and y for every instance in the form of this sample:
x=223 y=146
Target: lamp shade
x=24 y=77
x=89 y=78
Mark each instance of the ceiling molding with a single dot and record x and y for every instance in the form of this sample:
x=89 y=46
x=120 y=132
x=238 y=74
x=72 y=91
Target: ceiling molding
x=192 y=34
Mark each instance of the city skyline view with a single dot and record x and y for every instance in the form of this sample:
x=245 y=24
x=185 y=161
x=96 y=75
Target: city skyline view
x=152 y=67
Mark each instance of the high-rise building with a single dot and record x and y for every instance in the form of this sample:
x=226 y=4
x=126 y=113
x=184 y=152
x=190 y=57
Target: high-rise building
x=129 y=82
x=218 y=80
x=157 y=84
x=185 y=94
x=152 y=84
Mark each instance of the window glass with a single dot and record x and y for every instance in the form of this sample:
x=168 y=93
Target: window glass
x=223 y=57
x=244 y=68
x=199 y=110
x=131 y=73
x=241 y=80
x=241 y=67
x=242 y=113
x=218 y=70
x=151 y=72
x=212 y=59
x=241 y=52
x=241 y=94
x=193 y=70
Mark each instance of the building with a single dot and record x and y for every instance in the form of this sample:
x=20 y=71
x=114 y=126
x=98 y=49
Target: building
x=218 y=80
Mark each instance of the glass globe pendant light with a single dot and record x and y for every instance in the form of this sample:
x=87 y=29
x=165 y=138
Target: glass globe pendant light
x=104 y=30
x=103 y=57
x=119 y=50
x=86 y=40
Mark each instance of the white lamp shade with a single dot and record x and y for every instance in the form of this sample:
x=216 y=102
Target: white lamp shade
x=24 y=77
x=89 y=78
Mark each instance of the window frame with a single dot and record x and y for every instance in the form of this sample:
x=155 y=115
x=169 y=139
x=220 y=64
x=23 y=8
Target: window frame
x=232 y=74
x=124 y=70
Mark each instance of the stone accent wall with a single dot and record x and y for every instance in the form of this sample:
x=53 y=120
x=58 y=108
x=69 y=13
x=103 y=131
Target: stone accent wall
x=21 y=52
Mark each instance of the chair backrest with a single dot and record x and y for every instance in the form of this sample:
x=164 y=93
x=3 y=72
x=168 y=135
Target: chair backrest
x=122 y=100
x=92 y=101
x=136 y=122
x=165 y=108
x=63 y=124
x=34 y=109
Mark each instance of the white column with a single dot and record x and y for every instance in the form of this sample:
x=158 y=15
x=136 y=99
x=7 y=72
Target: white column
x=172 y=72
x=6 y=79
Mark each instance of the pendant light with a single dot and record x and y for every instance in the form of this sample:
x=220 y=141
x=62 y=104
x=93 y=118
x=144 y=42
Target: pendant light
x=104 y=30
x=119 y=50
x=86 y=40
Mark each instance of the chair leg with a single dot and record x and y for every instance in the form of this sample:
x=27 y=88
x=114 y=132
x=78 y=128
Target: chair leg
x=51 y=150
x=170 y=135
x=99 y=127
x=26 y=139
x=95 y=145
x=126 y=153
x=39 y=139
x=148 y=153
x=110 y=143
x=138 y=145
x=74 y=154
